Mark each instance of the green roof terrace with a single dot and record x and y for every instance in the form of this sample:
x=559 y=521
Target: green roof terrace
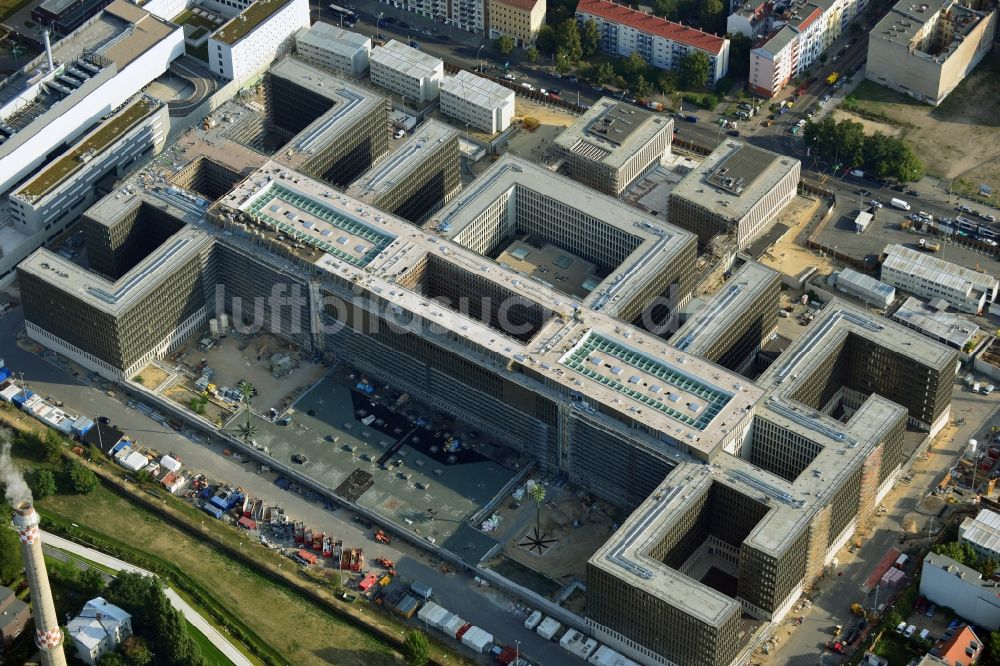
x=242 y=25
x=94 y=144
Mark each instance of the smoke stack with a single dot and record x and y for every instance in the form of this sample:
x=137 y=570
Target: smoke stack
x=48 y=635
x=48 y=49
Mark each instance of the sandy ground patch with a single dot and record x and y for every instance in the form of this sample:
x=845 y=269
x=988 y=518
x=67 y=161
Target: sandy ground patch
x=787 y=255
x=153 y=375
x=536 y=145
x=871 y=126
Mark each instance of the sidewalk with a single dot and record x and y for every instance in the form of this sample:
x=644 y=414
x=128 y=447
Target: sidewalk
x=192 y=616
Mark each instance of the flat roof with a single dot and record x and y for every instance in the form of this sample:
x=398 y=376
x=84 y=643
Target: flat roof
x=544 y=352
x=394 y=169
x=660 y=243
x=406 y=59
x=146 y=32
x=733 y=178
x=955 y=329
x=247 y=21
x=611 y=132
x=728 y=304
x=908 y=20
x=481 y=92
x=653 y=25
x=92 y=145
x=939 y=271
x=331 y=38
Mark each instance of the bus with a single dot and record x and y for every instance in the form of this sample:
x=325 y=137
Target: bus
x=346 y=16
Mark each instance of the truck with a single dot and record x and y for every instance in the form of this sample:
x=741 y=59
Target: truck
x=830 y=80
x=305 y=557
x=655 y=106
x=317 y=543
x=929 y=245
x=901 y=561
x=900 y=204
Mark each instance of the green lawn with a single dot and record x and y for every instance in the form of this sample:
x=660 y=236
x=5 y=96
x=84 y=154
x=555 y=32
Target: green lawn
x=212 y=655
x=8 y=7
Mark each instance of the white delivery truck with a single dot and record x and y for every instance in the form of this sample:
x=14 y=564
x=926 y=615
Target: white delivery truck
x=900 y=204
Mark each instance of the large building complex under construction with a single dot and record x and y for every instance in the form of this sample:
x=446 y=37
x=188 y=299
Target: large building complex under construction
x=529 y=307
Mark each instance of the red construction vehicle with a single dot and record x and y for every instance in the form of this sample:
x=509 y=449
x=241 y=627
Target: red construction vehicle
x=317 y=543
x=353 y=559
x=307 y=537
x=327 y=547
x=386 y=563
x=382 y=537
x=299 y=532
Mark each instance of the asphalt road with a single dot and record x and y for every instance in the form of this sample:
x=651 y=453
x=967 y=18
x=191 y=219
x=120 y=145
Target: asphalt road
x=456 y=592
x=192 y=615
x=194 y=71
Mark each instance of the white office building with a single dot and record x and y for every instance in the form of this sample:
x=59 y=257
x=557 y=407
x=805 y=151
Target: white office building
x=61 y=191
x=931 y=278
x=406 y=71
x=864 y=287
x=478 y=102
x=252 y=40
x=343 y=51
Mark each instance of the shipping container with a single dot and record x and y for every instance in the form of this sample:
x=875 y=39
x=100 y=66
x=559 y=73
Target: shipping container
x=431 y=614
x=420 y=590
x=533 y=620
x=548 y=628
x=454 y=625
x=477 y=639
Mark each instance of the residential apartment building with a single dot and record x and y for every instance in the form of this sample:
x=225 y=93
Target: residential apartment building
x=931 y=278
x=98 y=629
x=752 y=19
x=468 y=15
x=343 y=51
x=798 y=36
x=418 y=178
x=519 y=19
x=249 y=42
x=926 y=49
x=738 y=189
x=661 y=43
x=407 y=71
x=57 y=195
x=614 y=144
x=477 y=102
x=947 y=583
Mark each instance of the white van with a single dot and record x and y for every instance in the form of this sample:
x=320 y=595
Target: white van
x=989 y=389
x=909 y=631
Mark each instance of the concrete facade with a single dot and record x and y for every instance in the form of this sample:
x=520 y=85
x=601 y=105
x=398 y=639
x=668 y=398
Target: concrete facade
x=931 y=278
x=519 y=19
x=483 y=104
x=341 y=50
x=257 y=36
x=948 y=583
x=926 y=50
x=406 y=71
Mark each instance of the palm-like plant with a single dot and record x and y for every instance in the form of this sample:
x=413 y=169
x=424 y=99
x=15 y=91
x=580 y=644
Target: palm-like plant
x=537 y=493
x=246 y=430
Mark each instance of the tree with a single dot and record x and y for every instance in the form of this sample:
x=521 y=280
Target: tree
x=91 y=582
x=632 y=68
x=694 y=70
x=547 y=40
x=642 y=88
x=154 y=618
x=604 y=73
x=666 y=83
x=84 y=481
x=666 y=9
x=740 y=46
x=711 y=14
x=136 y=651
x=992 y=649
x=569 y=39
x=537 y=493
x=590 y=40
x=10 y=549
x=504 y=44
x=52 y=447
x=111 y=659
x=988 y=567
x=417 y=649
x=42 y=483
x=563 y=63
x=531 y=55
x=960 y=552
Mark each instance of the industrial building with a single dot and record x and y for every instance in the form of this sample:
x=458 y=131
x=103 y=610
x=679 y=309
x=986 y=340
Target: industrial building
x=925 y=50
x=738 y=189
x=65 y=16
x=518 y=19
x=60 y=95
x=873 y=292
x=614 y=144
x=577 y=241
x=418 y=178
x=661 y=43
x=57 y=195
x=253 y=39
x=961 y=588
x=477 y=102
x=947 y=328
x=931 y=278
x=737 y=321
x=406 y=71
x=343 y=51
x=982 y=533
x=512 y=309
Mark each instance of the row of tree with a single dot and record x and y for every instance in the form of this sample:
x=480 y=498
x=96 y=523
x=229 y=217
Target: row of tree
x=845 y=143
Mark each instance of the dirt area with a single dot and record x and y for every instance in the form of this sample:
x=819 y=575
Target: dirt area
x=278 y=370
x=565 y=558
x=152 y=376
x=789 y=254
x=959 y=139
x=871 y=126
x=183 y=394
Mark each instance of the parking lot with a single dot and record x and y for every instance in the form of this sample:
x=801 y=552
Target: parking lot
x=400 y=464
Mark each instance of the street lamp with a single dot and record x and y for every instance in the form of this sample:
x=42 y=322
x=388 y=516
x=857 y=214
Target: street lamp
x=378 y=30
x=517 y=653
x=477 y=57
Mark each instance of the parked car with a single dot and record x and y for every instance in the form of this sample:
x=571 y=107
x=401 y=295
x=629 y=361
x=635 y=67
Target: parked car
x=875 y=203
x=863 y=193
x=913 y=193
x=931 y=609
x=990 y=218
x=399 y=134
x=299 y=458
